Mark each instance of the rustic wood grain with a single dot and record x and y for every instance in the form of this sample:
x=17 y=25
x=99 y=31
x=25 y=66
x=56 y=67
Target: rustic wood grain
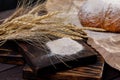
x=10 y=53
x=90 y=72
x=84 y=57
x=11 y=59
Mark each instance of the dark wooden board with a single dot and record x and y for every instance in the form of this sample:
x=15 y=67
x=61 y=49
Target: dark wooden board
x=11 y=59
x=41 y=62
x=89 y=72
x=12 y=72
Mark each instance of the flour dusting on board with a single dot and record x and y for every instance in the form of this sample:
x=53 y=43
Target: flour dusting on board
x=64 y=46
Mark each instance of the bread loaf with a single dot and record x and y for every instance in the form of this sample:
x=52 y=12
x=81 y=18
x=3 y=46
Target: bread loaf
x=101 y=14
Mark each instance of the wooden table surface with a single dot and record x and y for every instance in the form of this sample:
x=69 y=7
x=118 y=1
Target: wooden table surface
x=13 y=72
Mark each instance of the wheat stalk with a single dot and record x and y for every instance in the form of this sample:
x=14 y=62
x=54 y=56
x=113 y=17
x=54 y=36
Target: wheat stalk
x=23 y=25
x=27 y=25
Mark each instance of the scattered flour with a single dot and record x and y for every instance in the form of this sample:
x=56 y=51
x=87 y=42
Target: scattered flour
x=64 y=46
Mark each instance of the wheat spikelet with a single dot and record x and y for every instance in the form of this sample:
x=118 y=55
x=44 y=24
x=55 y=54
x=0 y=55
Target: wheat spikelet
x=94 y=29
x=37 y=8
x=46 y=16
x=17 y=12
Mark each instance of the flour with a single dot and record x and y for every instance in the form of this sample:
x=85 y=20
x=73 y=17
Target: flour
x=114 y=2
x=95 y=7
x=64 y=46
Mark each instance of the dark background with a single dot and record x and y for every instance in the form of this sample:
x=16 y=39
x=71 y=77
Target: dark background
x=7 y=4
x=11 y=4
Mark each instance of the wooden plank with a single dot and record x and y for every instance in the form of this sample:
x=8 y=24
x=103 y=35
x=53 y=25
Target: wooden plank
x=11 y=59
x=11 y=54
x=83 y=57
x=91 y=72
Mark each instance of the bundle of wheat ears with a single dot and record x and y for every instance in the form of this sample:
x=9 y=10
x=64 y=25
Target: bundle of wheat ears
x=28 y=25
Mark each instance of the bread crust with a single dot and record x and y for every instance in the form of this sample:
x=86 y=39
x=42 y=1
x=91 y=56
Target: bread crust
x=108 y=19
